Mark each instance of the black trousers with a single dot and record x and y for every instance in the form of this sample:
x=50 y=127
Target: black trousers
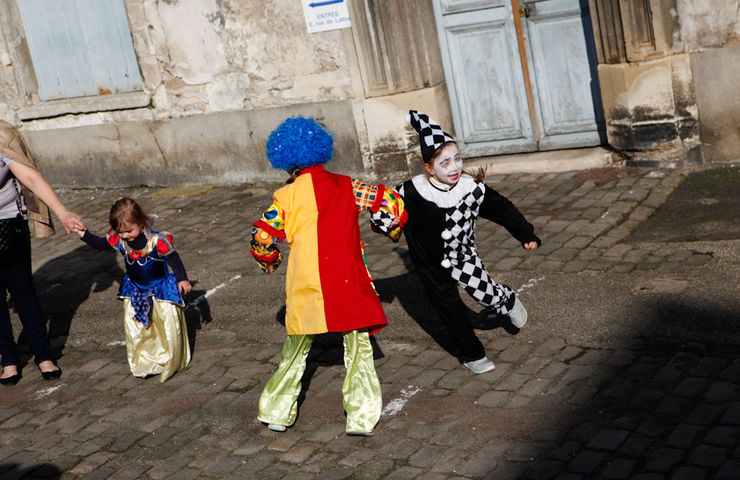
x=451 y=329
x=16 y=279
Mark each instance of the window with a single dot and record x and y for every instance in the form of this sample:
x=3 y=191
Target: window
x=80 y=48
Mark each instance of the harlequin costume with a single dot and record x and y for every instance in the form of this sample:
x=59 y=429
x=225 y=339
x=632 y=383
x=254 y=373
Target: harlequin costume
x=328 y=286
x=440 y=233
x=153 y=310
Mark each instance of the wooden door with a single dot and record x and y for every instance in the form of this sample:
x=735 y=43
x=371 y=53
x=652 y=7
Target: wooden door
x=520 y=87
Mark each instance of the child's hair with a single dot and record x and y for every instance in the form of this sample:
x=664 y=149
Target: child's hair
x=126 y=210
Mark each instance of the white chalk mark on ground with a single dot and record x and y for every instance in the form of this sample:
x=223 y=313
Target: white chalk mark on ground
x=397 y=404
x=116 y=343
x=212 y=291
x=44 y=392
x=531 y=283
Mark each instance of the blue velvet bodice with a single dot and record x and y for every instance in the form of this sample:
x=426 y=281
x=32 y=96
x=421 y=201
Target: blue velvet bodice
x=147 y=277
x=148 y=270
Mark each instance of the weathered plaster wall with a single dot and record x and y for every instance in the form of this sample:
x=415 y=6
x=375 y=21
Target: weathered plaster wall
x=220 y=74
x=715 y=77
x=394 y=142
x=667 y=101
x=217 y=148
x=650 y=108
x=710 y=32
x=705 y=24
x=201 y=56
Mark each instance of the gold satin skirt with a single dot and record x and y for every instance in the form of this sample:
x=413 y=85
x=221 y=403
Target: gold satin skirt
x=361 y=395
x=163 y=347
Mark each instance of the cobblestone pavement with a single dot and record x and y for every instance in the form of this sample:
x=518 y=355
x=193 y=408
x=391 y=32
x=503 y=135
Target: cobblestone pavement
x=559 y=405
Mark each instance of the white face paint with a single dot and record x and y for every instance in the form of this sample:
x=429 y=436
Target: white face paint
x=448 y=165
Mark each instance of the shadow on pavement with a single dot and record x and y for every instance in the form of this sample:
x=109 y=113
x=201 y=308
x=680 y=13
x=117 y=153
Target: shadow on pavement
x=197 y=312
x=407 y=288
x=65 y=282
x=41 y=470
x=327 y=350
x=660 y=407
x=705 y=206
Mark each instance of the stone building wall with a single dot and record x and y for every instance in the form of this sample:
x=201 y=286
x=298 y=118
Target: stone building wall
x=664 y=67
x=218 y=76
x=709 y=32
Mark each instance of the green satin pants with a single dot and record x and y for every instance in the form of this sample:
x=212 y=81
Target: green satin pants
x=361 y=394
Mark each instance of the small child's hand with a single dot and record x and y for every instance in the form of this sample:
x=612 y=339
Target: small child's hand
x=184 y=286
x=80 y=231
x=530 y=245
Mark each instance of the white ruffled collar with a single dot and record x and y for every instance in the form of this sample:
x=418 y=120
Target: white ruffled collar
x=444 y=199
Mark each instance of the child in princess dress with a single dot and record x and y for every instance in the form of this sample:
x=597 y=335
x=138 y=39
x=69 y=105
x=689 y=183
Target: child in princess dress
x=153 y=310
x=328 y=286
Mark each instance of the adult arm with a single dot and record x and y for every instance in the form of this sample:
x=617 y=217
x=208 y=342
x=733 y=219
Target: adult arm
x=33 y=180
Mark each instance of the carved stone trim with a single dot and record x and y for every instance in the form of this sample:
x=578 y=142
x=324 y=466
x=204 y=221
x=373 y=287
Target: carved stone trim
x=639 y=35
x=397 y=45
x=100 y=103
x=646 y=29
x=608 y=34
x=371 y=48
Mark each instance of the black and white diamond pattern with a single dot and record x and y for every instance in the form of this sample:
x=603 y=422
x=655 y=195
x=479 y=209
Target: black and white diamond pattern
x=459 y=232
x=474 y=278
x=461 y=256
x=431 y=134
x=382 y=220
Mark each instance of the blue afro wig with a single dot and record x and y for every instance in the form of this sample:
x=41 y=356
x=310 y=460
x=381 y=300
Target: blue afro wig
x=299 y=142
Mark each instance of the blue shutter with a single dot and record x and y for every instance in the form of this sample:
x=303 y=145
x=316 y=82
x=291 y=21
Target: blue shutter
x=80 y=47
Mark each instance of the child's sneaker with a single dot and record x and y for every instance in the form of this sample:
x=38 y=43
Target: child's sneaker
x=276 y=427
x=481 y=365
x=518 y=314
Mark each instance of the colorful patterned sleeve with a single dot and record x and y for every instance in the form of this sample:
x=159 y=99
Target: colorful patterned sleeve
x=385 y=206
x=267 y=234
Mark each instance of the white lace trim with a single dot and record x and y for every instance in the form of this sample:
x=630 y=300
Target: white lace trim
x=450 y=198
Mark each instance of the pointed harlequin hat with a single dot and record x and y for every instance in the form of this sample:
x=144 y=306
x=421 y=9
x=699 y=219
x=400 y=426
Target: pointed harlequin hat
x=299 y=142
x=431 y=135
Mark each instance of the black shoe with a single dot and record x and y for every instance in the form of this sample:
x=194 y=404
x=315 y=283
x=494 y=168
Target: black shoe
x=53 y=375
x=11 y=380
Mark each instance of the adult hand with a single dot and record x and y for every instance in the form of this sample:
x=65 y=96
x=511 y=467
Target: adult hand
x=530 y=245
x=71 y=222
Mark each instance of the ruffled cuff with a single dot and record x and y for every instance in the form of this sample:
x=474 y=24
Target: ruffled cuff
x=378 y=199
